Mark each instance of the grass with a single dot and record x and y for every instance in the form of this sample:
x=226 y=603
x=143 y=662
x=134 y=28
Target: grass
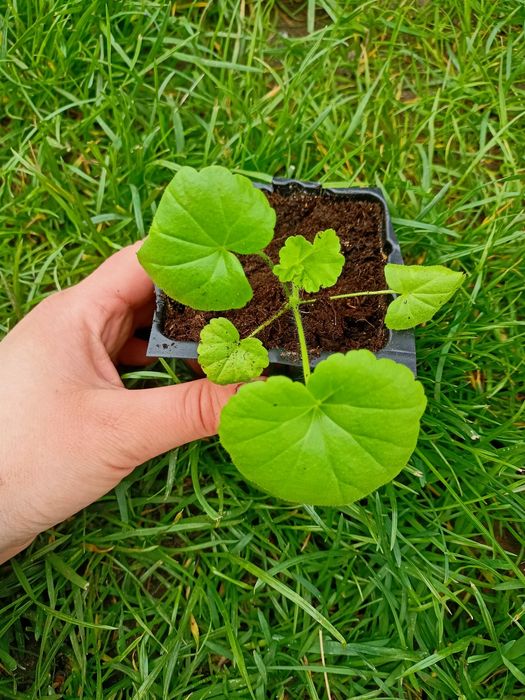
x=185 y=582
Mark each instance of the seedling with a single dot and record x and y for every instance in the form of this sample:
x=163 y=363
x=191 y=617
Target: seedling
x=353 y=424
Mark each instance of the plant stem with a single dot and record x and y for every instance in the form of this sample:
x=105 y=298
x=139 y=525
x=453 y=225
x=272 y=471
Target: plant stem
x=282 y=310
x=363 y=294
x=267 y=259
x=294 y=302
x=353 y=294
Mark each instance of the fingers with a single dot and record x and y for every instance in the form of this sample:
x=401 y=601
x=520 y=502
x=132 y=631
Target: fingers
x=144 y=423
x=143 y=316
x=115 y=300
x=140 y=424
x=120 y=278
x=134 y=353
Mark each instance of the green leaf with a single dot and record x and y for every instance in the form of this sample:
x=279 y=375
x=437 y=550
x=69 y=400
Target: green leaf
x=203 y=218
x=423 y=291
x=311 y=266
x=349 y=430
x=225 y=358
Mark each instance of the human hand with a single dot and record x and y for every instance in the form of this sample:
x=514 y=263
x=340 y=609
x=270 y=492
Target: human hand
x=70 y=430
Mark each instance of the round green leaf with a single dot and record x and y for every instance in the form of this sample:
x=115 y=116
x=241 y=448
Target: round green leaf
x=351 y=429
x=225 y=358
x=422 y=292
x=311 y=266
x=203 y=218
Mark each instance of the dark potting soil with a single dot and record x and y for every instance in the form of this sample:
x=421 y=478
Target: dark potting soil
x=339 y=325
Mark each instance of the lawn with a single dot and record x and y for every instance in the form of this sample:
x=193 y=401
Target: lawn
x=185 y=582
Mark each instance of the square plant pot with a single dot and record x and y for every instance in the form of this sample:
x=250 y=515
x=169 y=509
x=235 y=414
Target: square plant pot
x=400 y=345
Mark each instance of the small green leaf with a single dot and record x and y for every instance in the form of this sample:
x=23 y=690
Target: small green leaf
x=311 y=266
x=423 y=291
x=225 y=358
x=203 y=218
x=349 y=430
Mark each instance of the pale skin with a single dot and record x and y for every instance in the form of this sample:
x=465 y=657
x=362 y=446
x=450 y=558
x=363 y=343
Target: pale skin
x=70 y=430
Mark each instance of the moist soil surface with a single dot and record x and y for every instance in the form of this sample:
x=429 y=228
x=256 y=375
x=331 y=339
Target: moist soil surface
x=339 y=325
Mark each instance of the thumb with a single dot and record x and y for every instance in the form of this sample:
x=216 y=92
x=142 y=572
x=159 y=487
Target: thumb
x=144 y=423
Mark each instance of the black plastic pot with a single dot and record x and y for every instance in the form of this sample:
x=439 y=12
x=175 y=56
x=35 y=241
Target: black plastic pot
x=401 y=344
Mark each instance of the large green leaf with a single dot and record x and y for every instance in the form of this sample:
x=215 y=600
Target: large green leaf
x=203 y=218
x=225 y=358
x=351 y=429
x=422 y=292
x=311 y=266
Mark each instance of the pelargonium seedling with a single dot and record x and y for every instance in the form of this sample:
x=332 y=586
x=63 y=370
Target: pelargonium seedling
x=353 y=423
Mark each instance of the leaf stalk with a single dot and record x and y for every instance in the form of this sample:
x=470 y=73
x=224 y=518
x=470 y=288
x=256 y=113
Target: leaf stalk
x=348 y=296
x=267 y=259
x=294 y=302
x=282 y=310
x=362 y=294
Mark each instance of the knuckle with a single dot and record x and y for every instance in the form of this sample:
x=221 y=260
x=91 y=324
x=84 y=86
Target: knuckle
x=207 y=407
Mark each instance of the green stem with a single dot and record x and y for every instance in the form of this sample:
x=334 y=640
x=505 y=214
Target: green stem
x=294 y=305
x=363 y=294
x=353 y=294
x=267 y=259
x=282 y=310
